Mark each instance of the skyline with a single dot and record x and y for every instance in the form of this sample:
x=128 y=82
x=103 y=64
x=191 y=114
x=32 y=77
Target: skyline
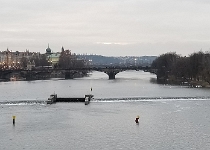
x=110 y=28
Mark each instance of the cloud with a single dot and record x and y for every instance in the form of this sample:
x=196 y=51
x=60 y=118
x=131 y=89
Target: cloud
x=108 y=43
x=125 y=25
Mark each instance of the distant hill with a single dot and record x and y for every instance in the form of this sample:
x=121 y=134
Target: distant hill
x=127 y=60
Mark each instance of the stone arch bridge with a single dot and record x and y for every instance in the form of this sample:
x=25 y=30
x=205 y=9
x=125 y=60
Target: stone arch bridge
x=69 y=73
x=110 y=71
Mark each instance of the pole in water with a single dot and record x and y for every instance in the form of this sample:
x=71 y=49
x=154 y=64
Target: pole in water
x=13 y=118
x=137 y=119
x=91 y=89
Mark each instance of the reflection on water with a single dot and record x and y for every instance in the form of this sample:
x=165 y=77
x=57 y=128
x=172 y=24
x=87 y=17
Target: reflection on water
x=153 y=80
x=162 y=125
x=127 y=84
x=171 y=117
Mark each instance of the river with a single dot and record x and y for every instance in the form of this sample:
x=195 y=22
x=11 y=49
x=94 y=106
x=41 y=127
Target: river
x=171 y=117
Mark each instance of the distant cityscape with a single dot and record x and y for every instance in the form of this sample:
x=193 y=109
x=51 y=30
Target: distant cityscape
x=15 y=59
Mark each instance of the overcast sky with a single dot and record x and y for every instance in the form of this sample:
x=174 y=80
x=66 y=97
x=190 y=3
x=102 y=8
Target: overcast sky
x=106 y=27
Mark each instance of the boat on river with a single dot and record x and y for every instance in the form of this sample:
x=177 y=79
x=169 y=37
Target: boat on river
x=54 y=99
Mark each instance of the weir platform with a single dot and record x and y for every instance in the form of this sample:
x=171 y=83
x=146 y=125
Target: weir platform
x=54 y=99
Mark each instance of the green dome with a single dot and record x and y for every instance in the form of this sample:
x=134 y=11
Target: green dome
x=48 y=50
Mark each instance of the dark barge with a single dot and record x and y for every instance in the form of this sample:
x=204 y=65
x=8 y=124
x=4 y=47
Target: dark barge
x=53 y=99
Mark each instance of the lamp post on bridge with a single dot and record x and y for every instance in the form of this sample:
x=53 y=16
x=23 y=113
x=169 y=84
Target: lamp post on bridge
x=135 y=61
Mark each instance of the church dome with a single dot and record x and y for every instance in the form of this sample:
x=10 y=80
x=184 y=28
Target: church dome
x=48 y=50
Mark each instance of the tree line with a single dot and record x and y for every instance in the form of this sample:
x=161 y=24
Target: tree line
x=68 y=60
x=174 y=67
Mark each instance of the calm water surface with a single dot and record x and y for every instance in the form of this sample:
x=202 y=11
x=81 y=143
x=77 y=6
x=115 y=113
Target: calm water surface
x=171 y=117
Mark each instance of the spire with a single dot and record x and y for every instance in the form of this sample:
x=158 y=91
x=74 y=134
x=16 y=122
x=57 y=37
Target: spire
x=62 y=49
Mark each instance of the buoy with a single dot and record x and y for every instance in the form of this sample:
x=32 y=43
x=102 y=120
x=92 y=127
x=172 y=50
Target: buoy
x=91 y=89
x=137 y=119
x=13 y=118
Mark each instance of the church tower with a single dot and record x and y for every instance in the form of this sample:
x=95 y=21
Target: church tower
x=48 y=50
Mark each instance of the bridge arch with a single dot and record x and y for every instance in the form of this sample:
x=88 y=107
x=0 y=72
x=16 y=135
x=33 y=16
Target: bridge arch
x=113 y=71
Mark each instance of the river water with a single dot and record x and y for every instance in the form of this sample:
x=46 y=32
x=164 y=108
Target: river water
x=171 y=117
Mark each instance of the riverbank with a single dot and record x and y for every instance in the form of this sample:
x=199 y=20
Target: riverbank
x=190 y=83
x=200 y=84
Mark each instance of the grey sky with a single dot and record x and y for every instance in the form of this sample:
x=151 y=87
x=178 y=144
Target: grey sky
x=108 y=27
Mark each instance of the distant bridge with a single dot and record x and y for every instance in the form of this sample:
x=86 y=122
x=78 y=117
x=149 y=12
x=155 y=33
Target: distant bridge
x=111 y=71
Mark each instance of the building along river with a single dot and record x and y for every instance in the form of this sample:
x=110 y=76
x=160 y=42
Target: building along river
x=171 y=117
